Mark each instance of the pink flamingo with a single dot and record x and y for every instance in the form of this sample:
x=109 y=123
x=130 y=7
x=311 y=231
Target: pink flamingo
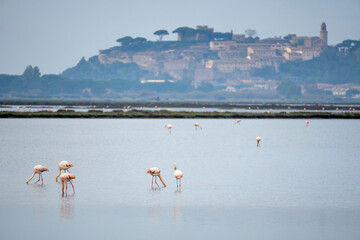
x=169 y=127
x=258 y=141
x=178 y=175
x=155 y=172
x=39 y=169
x=64 y=165
x=65 y=178
x=197 y=125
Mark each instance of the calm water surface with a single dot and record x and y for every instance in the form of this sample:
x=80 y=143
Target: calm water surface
x=301 y=183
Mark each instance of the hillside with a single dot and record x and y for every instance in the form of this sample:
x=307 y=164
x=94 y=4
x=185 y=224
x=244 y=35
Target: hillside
x=336 y=65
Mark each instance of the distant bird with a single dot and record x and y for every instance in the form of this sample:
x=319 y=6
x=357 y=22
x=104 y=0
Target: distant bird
x=178 y=175
x=197 y=125
x=258 y=141
x=237 y=121
x=64 y=165
x=65 y=178
x=168 y=127
x=155 y=172
x=39 y=169
x=306 y=123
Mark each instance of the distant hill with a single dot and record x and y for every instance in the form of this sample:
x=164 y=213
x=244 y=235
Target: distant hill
x=94 y=70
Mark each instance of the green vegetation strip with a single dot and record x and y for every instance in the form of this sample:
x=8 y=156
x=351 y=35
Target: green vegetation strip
x=171 y=114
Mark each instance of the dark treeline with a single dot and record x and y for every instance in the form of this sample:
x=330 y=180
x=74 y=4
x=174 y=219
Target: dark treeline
x=173 y=114
x=32 y=84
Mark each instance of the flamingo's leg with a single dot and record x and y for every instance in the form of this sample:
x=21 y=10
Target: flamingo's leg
x=42 y=181
x=37 y=180
x=180 y=183
x=66 y=187
x=156 y=182
x=67 y=170
x=152 y=182
x=72 y=186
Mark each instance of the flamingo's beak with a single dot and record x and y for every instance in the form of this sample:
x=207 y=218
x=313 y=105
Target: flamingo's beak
x=71 y=165
x=72 y=176
x=149 y=171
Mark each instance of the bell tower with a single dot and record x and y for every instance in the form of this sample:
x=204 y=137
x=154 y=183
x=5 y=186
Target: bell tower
x=324 y=34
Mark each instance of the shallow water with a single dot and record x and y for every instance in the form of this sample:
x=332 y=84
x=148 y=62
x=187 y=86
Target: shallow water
x=302 y=182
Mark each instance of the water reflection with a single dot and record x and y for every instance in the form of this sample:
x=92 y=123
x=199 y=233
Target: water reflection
x=177 y=206
x=39 y=190
x=38 y=210
x=177 y=214
x=154 y=211
x=66 y=209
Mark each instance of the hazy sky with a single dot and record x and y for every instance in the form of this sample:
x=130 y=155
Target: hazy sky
x=55 y=34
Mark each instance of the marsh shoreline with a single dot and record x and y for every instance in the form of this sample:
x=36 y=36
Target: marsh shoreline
x=176 y=114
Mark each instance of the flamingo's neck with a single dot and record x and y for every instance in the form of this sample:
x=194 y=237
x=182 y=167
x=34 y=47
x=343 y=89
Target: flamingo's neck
x=30 y=177
x=58 y=174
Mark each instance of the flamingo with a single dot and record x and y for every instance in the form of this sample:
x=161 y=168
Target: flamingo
x=178 y=175
x=155 y=172
x=197 y=125
x=237 y=121
x=39 y=169
x=64 y=165
x=65 y=178
x=258 y=141
x=306 y=123
x=168 y=127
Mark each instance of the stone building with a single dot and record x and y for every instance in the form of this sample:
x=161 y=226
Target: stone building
x=324 y=34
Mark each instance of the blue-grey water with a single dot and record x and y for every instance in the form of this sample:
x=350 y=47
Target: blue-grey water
x=301 y=183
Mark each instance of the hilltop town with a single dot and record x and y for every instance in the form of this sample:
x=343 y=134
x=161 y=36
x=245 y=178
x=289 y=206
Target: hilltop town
x=204 y=58
x=205 y=65
x=213 y=57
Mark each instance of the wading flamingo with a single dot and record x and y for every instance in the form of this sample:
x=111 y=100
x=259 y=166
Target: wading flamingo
x=65 y=178
x=64 y=165
x=155 y=172
x=168 y=127
x=197 y=125
x=178 y=175
x=258 y=141
x=39 y=169
x=237 y=121
x=306 y=123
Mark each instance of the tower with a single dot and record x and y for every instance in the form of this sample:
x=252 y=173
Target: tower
x=324 y=34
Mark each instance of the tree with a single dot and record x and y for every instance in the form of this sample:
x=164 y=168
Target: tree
x=288 y=89
x=184 y=30
x=250 y=32
x=125 y=41
x=139 y=40
x=161 y=34
x=31 y=73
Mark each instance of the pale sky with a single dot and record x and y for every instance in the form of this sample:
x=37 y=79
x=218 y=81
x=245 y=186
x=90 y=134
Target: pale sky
x=55 y=34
